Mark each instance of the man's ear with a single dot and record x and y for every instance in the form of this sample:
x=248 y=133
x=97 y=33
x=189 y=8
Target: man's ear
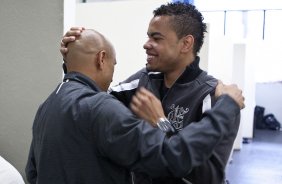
x=188 y=42
x=100 y=59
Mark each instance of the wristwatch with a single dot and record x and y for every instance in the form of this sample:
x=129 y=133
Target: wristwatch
x=165 y=125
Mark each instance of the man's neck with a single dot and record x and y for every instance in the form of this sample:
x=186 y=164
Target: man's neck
x=171 y=76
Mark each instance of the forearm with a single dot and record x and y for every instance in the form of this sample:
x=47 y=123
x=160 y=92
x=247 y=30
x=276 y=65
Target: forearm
x=150 y=151
x=30 y=169
x=192 y=146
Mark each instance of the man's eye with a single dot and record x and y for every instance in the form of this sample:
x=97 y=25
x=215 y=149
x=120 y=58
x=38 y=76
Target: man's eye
x=156 y=38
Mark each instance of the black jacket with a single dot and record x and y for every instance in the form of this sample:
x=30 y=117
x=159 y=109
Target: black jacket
x=82 y=135
x=183 y=103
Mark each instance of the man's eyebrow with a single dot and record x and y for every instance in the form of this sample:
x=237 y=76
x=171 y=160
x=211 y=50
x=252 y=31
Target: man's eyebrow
x=154 y=34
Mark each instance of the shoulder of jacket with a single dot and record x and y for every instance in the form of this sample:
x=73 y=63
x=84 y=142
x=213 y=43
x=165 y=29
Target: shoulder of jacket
x=207 y=79
x=136 y=75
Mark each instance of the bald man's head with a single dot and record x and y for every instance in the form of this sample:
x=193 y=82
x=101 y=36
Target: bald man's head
x=85 y=47
x=92 y=55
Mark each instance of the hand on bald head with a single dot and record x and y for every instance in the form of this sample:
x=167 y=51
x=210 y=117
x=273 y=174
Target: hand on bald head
x=83 y=51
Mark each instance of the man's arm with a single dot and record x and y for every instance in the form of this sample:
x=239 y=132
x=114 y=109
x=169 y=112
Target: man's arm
x=149 y=150
x=30 y=169
x=213 y=170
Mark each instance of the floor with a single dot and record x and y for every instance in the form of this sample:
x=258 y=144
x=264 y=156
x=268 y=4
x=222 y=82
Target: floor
x=259 y=161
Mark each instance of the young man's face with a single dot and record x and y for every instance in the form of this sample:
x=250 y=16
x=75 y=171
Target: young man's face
x=163 y=47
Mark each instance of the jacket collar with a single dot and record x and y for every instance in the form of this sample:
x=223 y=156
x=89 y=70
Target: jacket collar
x=191 y=73
x=83 y=79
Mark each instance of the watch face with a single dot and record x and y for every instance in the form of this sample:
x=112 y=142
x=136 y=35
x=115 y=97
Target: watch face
x=165 y=125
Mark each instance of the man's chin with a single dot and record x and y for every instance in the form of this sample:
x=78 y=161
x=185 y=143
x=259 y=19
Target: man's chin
x=149 y=67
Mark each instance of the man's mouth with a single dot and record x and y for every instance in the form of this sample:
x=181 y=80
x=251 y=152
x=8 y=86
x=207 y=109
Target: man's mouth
x=150 y=57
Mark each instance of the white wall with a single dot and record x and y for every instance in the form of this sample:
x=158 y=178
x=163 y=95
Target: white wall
x=248 y=25
x=268 y=60
x=238 y=76
x=205 y=50
x=237 y=5
x=69 y=14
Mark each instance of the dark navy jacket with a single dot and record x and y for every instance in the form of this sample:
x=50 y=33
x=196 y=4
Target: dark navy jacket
x=183 y=103
x=84 y=136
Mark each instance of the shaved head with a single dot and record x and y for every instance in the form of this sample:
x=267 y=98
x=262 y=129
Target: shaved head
x=90 y=55
x=85 y=47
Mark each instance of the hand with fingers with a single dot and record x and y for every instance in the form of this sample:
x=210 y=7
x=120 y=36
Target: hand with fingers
x=145 y=105
x=233 y=91
x=70 y=36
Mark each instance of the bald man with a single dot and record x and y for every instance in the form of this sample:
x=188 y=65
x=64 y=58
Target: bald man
x=81 y=134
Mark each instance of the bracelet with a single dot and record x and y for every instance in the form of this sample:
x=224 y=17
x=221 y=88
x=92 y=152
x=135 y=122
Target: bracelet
x=165 y=125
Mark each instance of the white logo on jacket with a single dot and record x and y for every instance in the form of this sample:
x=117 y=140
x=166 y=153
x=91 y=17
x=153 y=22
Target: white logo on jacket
x=176 y=116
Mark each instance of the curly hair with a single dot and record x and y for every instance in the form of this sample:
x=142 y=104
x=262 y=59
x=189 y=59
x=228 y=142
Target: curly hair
x=186 y=20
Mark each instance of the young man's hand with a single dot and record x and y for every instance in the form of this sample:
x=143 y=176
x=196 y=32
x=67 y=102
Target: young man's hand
x=145 y=105
x=233 y=91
